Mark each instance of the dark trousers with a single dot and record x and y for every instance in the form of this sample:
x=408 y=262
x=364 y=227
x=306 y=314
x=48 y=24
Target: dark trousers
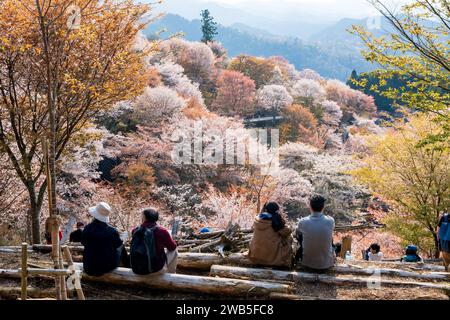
x=124 y=257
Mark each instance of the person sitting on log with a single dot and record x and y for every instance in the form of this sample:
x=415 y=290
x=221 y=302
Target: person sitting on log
x=152 y=247
x=373 y=253
x=75 y=236
x=444 y=239
x=103 y=246
x=411 y=254
x=315 y=237
x=271 y=244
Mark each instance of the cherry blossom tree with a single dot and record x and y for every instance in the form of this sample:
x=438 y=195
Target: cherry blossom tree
x=274 y=98
x=308 y=92
x=349 y=99
x=172 y=75
x=196 y=58
x=157 y=104
x=310 y=74
x=332 y=113
x=235 y=94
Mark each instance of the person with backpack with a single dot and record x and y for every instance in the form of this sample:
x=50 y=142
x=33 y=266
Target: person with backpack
x=103 y=246
x=152 y=247
x=411 y=254
x=271 y=244
x=444 y=239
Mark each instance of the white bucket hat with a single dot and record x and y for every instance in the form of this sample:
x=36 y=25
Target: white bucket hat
x=101 y=212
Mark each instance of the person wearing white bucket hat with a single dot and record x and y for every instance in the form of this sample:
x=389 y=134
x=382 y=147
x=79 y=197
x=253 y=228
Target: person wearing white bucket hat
x=103 y=247
x=101 y=212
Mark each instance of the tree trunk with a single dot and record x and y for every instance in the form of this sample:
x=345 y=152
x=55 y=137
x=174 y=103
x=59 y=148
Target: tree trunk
x=35 y=209
x=437 y=253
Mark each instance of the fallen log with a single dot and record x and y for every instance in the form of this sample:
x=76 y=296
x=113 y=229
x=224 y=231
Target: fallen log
x=410 y=265
x=204 y=261
x=45 y=248
x=10 y=273
x=13 y=250
x=17 y=273
x=285 y=296
x=15 y=292
x=261 y=274
x=346 y=228
x=188 y=283
x=352 y=269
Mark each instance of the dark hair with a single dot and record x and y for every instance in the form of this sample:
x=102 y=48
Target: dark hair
x=278 y=222
x=151 y=215
x=80 y=224
x=317 y=202
x=375 y=246
x=271 y=207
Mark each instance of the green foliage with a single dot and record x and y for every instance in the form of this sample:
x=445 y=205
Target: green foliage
x=418 y=51
x=414 y=178
x=209 y=26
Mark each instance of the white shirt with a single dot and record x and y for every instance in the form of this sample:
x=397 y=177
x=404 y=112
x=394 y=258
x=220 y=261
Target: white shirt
x=375 y=257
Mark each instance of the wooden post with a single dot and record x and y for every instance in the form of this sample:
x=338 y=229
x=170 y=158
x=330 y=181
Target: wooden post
x=63 y=278
x=346 y=245
x=69 y=260
x=24 y=273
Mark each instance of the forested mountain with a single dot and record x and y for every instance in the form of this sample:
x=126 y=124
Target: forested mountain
x=329 y=61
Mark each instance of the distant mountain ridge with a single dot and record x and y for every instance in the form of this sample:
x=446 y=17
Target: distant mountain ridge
x=238 y=39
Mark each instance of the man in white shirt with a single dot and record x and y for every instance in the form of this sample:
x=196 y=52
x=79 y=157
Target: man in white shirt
x=374 y=253
x=315 y=235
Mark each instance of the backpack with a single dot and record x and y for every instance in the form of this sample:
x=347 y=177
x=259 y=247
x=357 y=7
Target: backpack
x=411 y=250
x=143 y=251
x=444 y=233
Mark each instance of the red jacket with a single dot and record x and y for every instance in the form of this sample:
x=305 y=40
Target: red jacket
x=163 y=241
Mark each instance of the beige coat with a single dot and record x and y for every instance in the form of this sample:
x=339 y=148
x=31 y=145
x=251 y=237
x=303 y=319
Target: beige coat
x=270 y=248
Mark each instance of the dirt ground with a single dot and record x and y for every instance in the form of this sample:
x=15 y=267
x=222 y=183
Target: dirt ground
x=98 y=291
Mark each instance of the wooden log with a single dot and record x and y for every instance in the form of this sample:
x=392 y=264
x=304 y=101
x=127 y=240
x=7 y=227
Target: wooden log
x=352 y=269
x=50 y=272
x=261 y=274
x=10 y=273
x=346 y=246
x=346 y=228
x=408 y=265
x=13 y=250
x=285 y=296
x=69 y=260
x=188 y=283
x=204 y=261
x=45 y=248
x=15 y=292
x=32 y=272
x=24 y=272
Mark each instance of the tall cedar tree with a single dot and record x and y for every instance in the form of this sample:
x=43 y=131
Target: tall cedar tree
x=209 y=27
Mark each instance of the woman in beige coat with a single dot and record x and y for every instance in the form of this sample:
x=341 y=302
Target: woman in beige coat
x=271 y=244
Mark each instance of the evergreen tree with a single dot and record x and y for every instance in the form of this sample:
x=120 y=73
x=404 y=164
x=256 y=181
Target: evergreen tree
x=209 y=26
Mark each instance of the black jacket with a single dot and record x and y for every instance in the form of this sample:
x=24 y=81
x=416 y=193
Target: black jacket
x=102 y=248
x=76 y=236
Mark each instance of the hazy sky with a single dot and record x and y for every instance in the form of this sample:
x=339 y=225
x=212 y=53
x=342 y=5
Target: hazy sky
x=345 y=8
